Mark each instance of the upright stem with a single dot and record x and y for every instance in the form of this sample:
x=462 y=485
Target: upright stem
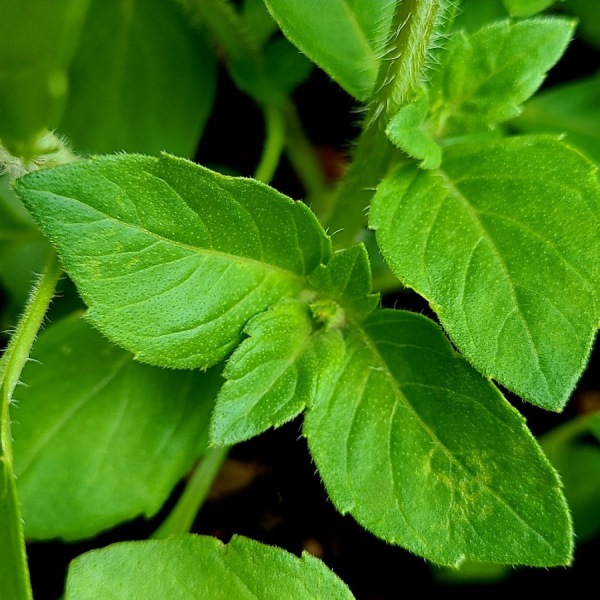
x=181 y=518
x=14 y=575
x=399 y=78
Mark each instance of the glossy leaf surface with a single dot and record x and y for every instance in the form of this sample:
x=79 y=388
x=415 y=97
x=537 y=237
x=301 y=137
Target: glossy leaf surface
x=344 y=37
x=191 y=566
x=504 y=242
x=36 y=47
x=274 y=373
x=486 y=75
x=171 y=258
x=125 y=92
x=104 y=437
x=424 y=452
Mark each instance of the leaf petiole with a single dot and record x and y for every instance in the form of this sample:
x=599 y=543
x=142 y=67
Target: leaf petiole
x=181 y=518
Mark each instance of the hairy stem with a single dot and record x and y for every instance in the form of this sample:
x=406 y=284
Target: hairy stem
x=181 y=518
x=14 y=575
x=398 y=80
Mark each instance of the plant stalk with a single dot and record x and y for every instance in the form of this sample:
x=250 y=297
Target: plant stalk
x=181 y=518
x=398 y=81
x=14 y=574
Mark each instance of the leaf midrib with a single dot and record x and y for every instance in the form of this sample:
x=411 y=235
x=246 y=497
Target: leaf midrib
x=398 y=393
x=252 y=262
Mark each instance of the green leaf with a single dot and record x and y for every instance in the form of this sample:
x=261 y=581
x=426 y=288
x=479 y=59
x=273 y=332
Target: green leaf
x=474 y=14
x=486 y=75
x=503 y=242
x=279 y=369
x=147 y=87
x=344 y=37
x=346 y=279
x=579 y=468
x=37 y=42
x=572 y=109
x=526 y=8
x=424 y=452
x=191 y=566
x=408 y=131
x=98 y=438
x=173 y=259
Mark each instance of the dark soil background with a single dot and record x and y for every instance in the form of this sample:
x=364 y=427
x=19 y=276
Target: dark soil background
x=269 y=489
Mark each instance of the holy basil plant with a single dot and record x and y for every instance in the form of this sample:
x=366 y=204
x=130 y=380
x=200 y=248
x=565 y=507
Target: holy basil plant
x=217 y=307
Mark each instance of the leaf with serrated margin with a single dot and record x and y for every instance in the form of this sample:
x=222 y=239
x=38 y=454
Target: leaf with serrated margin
x=408 y=131
x=345 y=38
x=100 y=438
x=485 y=76
x=273 y=374
x=192 y=566
x=346 y=279
x=173 y=259
x=503 y=241
x=425 y=452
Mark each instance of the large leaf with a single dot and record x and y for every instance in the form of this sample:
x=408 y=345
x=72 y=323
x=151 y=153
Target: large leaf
x=424 y=452
x=572 y=109
x=190 y=566
x=344 y=37
x=37 y=41
x=100 y=438
x=486 y=75
x=146 y=86
x=503 y=241
x=173 y=259
x=275 y=372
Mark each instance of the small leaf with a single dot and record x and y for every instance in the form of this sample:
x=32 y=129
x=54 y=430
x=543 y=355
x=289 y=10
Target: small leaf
x=572 y=110
x=407 y=130
x=37 y=42
x=503 y=242
x=99 y=438
x=126 y=93
x=192 y=566
x=526 y=8
x=485 y=76
x=345 y=38
x=280 y=368
x=346 y=279
x=424 y=452
x=173 y=259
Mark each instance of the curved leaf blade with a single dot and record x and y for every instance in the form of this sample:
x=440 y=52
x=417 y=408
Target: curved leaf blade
x=99 y=438
x=344 y=37
x=503 y=242
x=424 y=452
x=187 y=566
x=125 y=83
x=173 y=259
x=488 y=74
x=274 y=373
